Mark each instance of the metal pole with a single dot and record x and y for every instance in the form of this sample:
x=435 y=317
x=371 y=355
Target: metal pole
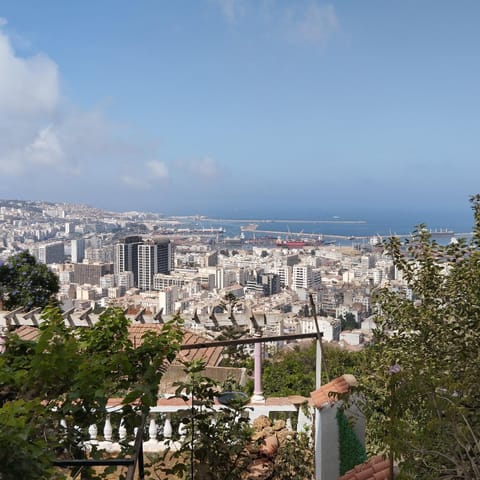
x=318 y=384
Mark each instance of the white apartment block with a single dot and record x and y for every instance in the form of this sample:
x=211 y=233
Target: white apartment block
x=285 y=274
x=167 y=299
x=78 y=250
x=162 y=280
x=329 y=326
x=107 y=281
x=125 y=279
x=65 y=277
x=305 y=277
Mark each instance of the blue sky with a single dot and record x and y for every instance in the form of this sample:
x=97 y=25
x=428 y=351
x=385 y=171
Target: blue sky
x=235 y=107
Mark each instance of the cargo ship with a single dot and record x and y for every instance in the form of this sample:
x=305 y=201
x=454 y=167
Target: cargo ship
x=292 y=243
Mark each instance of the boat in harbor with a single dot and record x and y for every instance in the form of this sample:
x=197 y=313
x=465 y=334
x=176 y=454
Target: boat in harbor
x=251 y=227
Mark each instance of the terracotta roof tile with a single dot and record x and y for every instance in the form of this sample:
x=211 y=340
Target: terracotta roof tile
x=376 y=468
x=211 y=356
x=27 y=332
x=323 y=395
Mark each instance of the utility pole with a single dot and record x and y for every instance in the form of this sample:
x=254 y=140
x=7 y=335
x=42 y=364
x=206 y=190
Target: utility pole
x=318 y=384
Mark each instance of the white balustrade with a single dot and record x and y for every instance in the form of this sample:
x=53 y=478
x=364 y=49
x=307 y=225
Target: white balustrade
x=107 y=429
x=122 y=431
x=152 y=444
x=112 y=439
x=167 y=427
x=182 y=431
x=93 y=432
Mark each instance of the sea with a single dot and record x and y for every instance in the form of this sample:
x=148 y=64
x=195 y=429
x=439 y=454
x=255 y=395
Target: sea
x=335 y=229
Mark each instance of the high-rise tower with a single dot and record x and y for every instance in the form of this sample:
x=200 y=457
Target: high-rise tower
x=153 y=257
x=126 y=256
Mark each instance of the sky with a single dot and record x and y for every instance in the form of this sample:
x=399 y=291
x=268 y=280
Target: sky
x=277 y=108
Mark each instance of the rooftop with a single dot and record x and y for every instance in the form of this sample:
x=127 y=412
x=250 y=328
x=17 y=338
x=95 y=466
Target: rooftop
x=376 y=468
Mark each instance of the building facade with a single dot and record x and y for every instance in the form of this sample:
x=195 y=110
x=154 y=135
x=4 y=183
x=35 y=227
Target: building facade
x=153 y=257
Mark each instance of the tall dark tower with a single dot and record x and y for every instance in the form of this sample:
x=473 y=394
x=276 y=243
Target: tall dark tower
x=153 y=257
x=126 y=256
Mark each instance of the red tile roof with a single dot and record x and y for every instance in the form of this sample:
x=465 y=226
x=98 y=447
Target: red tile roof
x=376 y=468
x=323 y=395
x=211 y=356
x=27 y=332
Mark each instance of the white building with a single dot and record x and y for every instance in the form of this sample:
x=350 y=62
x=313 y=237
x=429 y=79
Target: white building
x=305 y=277
x=51 y=253
x=167 y=299
x=107 y=281
x=125 y=280
x=78 y=250
x=153 y=257
x=329 y=326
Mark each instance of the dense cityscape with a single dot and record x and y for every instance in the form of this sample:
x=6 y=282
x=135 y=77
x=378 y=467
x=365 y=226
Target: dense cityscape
x=239 y=240
x=106 y=258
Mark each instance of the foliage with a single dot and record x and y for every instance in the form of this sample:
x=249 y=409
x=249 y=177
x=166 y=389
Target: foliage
x=234 y=355
x=215 y=443
x=293 y=372
x=26 y=283
x=422 y=399
x=352 y=452
x=348 y=321
x=294 y=459
x=68 y=375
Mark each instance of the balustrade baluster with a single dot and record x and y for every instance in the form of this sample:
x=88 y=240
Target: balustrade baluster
x=93 y=432
x=167 y=427
x=107 y=429
x=122 y=431
x=152 y=429
x=182 y=431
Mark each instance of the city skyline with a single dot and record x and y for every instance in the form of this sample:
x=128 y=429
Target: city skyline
x=229 y=107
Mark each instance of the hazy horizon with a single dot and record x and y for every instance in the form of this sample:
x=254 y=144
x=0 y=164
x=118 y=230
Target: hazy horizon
x=224 y=107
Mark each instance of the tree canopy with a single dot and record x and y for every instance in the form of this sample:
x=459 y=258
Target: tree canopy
x=65 y=378
x=26 y=283
x=421 y=392
x=293 y=372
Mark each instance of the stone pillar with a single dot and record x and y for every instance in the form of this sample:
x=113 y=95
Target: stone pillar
x=257 y=389
x=3 y=339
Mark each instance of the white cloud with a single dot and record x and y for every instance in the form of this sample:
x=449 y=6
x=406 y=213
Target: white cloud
x=315 y=24
x=40 y=130
x=46 y=148
x=158 y=169
x=306 y=21
x=44 y=136
x=28 y=86
x=206 y=168
x=134 y=182
x=232 y=10
x=3 y=21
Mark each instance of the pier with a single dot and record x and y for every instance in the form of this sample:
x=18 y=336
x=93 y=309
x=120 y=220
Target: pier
x=322 y=236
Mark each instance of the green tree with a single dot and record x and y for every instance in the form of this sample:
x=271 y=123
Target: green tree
x=234 y=355
x=68 y=375
x=26 y=283
x=348 y=321
x=294 y=459
x=293 y=372
x=420 y=387
x=216 y=440
x=229 y=301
